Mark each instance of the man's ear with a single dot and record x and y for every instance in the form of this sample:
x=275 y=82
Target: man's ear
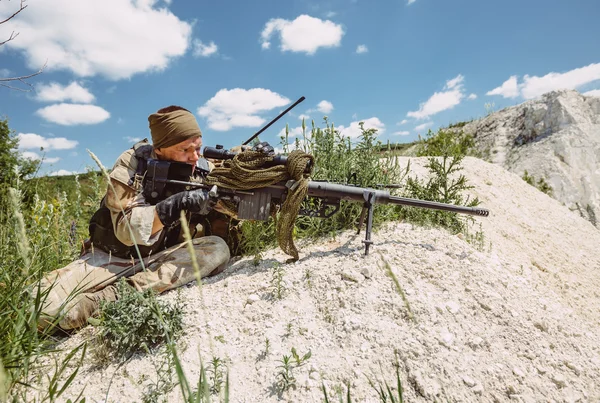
x=158 y=152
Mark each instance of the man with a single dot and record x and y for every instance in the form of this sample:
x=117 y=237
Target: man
x=127 y=227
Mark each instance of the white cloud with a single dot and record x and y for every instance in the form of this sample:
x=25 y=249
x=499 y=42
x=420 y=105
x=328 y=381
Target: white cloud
x=410 y=2
x=472 y=96
x=28 y=141
x=593 y=93
x=402 y=133
x=304 y=34
x=508 y=89
x=353 y=131
x=455 y=82
x=36 y=157
x=30 y=155
x=239 y=107
x=73 y=114
x=295 y=132
x=62 y=172
x=423 y=126
x=325 y=107
x=5 y=73
x=362 y=49
x=204 y=50
x=441 y=101
x=132 y=140
x=402 y=122
x=534 y=86
x=305 y=117
x=112 y=38
x=55 y=92
x=330 y=14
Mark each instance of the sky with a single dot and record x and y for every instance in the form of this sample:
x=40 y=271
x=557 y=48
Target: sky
x=400 y=66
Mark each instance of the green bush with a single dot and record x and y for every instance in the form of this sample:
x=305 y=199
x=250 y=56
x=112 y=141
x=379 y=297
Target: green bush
x=137 y=321
x=446 y=151
x=540 y=184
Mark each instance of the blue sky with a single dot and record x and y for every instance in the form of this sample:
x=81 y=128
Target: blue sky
x=401 y=66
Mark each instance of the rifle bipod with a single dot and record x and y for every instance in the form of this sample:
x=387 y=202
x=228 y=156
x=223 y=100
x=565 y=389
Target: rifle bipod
x=369 y=197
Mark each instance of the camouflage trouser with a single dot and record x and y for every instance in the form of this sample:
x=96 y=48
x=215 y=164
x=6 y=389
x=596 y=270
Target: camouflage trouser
x=73 y=293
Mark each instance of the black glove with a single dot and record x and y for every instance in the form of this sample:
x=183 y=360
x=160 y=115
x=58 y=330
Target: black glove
x=194 y=201
x=264 y=148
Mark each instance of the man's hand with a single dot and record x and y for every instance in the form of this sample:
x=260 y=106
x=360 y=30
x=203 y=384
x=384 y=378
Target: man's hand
x=194 y=201
x=264 y=148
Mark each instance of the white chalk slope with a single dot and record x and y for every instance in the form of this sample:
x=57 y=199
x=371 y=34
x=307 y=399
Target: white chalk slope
x=519 y=318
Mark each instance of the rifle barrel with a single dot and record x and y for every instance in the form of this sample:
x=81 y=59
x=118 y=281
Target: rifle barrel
x=345 y=192
x=440 y=206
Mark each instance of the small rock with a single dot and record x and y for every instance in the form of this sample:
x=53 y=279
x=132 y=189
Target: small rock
x=460 y=236
x=541 y=325
x=446 y=338
x=541 y=370
x=452 y=307
x=559 y=380
x=512 y=390
x=428 y=246
x=478 y=389
x=252 y=299
x=315 y=375
x=469 y=381
x=268 y=324
x=351 y=275
x=518 y=372
x=573 y=367
x=476 y=342
x=366 y=272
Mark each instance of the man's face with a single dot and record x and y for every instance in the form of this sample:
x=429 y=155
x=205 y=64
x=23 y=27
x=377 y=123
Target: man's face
x=187 y=151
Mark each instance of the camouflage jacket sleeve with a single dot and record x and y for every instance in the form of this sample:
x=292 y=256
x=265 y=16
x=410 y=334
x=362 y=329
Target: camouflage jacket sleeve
x=131 y=215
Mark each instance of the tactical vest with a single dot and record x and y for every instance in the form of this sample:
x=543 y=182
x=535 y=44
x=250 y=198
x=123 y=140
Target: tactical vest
x=102 y=234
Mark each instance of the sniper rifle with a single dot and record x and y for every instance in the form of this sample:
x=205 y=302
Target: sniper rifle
x=164 y=178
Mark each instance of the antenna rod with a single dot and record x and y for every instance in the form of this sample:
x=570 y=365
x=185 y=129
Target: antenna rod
x=273 y=121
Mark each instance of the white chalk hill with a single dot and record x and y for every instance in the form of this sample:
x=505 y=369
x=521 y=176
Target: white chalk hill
x=555 y=137
x=516 y=317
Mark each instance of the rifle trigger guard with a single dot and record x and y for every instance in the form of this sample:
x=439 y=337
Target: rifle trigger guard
x=321 y=212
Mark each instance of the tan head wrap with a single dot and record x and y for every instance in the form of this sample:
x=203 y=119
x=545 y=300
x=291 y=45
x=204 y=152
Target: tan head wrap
x=170 y=128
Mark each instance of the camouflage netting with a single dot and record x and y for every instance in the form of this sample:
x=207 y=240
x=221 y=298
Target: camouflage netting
x=247 y=171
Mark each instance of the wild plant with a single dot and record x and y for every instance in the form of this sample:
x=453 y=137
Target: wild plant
x=385 y=391
x=132 y=323
x=391 y=274
x=277 y=283
x=540 y=184
x=447 y=150
x=158 y=391
x=285 y=378
x=300 y=360
x=216 y=372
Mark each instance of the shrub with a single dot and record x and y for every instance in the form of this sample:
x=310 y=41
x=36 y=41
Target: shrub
x=137 y=321
x=446 y=151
